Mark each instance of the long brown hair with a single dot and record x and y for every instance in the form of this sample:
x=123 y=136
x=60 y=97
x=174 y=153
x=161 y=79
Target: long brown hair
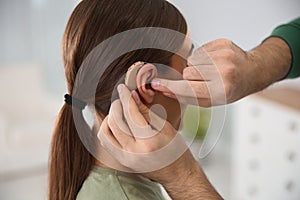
x=91 y=23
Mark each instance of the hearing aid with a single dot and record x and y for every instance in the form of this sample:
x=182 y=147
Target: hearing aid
x=132 y=72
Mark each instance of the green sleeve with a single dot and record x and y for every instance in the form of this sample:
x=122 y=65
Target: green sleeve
x=291 y=34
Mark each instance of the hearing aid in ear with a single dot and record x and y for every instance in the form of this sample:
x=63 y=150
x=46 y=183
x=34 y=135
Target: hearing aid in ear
x=133 y=70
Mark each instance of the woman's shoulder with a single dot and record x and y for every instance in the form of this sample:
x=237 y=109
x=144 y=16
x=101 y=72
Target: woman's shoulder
x=101 y=185
x=105 y=183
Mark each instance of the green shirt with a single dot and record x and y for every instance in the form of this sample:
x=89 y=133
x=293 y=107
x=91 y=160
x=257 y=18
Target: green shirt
x=109 y=184
x=291 y=34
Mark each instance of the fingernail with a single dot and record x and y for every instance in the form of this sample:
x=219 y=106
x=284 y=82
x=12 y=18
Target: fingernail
x=120 y=88
x=155 y=83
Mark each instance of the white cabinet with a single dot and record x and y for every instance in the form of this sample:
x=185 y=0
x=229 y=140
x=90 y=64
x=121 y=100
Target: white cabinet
x=266 y=146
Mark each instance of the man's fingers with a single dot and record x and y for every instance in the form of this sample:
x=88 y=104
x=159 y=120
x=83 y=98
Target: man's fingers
x=194 y=89
x=192 y=74
x=200 y=73
x=199 y=57
x=217 y=45
x=203 y=102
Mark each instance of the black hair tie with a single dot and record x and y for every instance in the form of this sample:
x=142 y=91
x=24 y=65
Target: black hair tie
x=74 y=102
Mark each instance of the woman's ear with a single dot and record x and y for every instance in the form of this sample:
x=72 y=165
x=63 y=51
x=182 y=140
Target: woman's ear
x=144 y=76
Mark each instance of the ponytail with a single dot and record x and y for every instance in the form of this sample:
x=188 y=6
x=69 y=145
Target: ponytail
x=70 y=162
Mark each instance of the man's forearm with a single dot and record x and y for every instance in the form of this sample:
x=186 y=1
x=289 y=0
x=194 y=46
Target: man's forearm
x=196 y=187
x=271 y=62
x=188 y=181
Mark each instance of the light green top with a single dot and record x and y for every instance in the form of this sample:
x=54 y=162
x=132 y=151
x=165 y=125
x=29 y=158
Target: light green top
x=109 y=184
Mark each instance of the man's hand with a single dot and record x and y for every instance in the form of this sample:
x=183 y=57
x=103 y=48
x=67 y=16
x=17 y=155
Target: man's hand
x=220 y=72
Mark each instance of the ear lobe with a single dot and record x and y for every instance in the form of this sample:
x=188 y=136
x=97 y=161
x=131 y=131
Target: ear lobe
x=144 y=76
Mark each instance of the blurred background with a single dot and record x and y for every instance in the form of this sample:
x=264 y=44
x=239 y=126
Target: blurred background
x=258 y=154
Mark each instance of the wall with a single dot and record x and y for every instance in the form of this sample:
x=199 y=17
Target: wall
x=30 y=37
x=32 y=88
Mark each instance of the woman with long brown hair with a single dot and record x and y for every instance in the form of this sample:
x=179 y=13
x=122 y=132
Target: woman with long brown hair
x=74 y=172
